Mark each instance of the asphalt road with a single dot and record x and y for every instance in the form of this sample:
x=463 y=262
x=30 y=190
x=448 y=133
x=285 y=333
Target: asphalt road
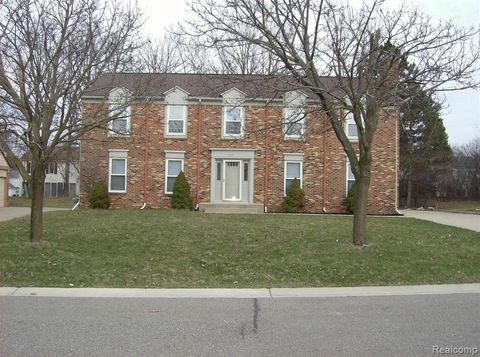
x=340 y=326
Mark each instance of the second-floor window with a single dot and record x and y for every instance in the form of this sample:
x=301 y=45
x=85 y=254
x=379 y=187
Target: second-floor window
x=350 y=126
x=294 y=123
x=233 y=118
x=52 y=168
x=120 y=119
x=176 y=119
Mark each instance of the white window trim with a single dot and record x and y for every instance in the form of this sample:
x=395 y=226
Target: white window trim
x=166 y=172
x=111 y=132
x=286 y=125
x=348 y=168
x=110 y=159
x=184 y=120
x=224 y=122
x=291 y=178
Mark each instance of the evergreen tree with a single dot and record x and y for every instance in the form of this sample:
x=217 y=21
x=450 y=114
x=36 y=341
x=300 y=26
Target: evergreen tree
x=424 y=150
x=99 y=196
x=181 y=198
x=294 y=200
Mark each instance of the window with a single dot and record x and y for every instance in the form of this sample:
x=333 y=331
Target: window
x=52 y=168
x=120 y=123
x=294 y=123
x=173 y=168
x=293 y=169
x=176 y=119
x=233 y=121
x=350 y=177
x=245 y=171
x=117 y=178
x=350 y=126
x=219 y=170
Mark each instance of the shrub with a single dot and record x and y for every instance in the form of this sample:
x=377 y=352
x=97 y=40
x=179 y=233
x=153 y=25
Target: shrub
x=294 y=200
x=99 y=196
x=181 y=198
x=350 y=200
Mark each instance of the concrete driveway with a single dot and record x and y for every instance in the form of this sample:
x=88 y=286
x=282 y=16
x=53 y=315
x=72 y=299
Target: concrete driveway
x=461 y=220
x=8 y=213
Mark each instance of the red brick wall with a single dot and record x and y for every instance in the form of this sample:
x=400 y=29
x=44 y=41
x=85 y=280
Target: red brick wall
x=147 y=132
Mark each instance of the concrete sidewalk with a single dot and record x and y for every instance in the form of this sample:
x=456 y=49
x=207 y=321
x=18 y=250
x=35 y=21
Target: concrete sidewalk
x=8 y=213
x=461 y=220
x=244 y=293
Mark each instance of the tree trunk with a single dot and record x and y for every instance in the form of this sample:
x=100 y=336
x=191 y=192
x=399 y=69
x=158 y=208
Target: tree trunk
x=36 y=215
x=409 y=192
x=360 y=212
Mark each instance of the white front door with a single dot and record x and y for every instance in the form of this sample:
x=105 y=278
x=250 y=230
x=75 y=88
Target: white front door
x=232 y=180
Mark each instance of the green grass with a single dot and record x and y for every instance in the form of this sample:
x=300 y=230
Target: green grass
x=57 y=202
x=154 y=248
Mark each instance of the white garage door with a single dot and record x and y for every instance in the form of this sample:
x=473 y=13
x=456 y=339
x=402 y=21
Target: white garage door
x=2 y=192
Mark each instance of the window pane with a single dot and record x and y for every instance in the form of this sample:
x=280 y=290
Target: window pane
x=234 y=114
x=349 y=184
x=219 y=170
x=350 y=174
x=288 y=183
x=176 y=112
x=170 y=183
x=119 y=125
x=175 y=126
x=352 y=130
x=47 y=190
x=293 y=170
x=293 y=115
x=118 y=167
x=233 y=128
x=117 y=183
x=174 y=167
x=294 y=129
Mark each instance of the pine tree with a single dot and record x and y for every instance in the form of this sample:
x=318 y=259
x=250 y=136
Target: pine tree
x=294 y=200
x=99 y=196
x=181 y=198
x=424 y=150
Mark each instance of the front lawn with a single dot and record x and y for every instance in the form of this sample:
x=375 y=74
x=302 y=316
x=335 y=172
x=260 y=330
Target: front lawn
x=167 y=249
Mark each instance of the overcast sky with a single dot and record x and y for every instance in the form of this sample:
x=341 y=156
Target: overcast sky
x=461 y=113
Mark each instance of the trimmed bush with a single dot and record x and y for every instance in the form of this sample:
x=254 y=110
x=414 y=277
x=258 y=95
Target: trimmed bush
x=181 y=198
x=99 y=196
x=294 y=201
x=350 y=200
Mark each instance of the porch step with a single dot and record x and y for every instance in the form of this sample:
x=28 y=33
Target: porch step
x=231 y=207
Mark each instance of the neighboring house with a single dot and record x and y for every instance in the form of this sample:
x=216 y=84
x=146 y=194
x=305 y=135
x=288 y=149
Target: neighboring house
x=4 y=173
x=239 y=140
x=55 y=178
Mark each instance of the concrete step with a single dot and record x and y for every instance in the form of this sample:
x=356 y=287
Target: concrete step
x=231 y=207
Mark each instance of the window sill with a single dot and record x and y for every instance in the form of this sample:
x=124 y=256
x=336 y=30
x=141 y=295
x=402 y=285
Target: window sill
x=117 y=192
x=172 y=136
x=232 y=137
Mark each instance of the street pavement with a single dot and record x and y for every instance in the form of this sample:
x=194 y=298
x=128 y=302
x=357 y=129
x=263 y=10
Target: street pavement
x=394 y=325
x=461 y=220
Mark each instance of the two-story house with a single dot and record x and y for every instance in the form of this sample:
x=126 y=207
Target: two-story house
x=239 y=140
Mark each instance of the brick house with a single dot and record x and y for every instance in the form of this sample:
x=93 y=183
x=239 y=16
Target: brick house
x=240 y=140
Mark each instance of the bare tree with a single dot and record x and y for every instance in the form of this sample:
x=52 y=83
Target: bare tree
x=51 y=52
x=358 y=48
x=162 y=55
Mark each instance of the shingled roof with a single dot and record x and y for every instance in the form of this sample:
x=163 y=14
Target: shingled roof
x=201 y=85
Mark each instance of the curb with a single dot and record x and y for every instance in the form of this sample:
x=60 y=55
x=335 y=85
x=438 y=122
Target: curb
x=243 y=293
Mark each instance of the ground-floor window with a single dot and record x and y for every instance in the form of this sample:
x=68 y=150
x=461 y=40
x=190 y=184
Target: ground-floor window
x=293 y=170
x=117 y=172
x=173 y=168
x=350 y=177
